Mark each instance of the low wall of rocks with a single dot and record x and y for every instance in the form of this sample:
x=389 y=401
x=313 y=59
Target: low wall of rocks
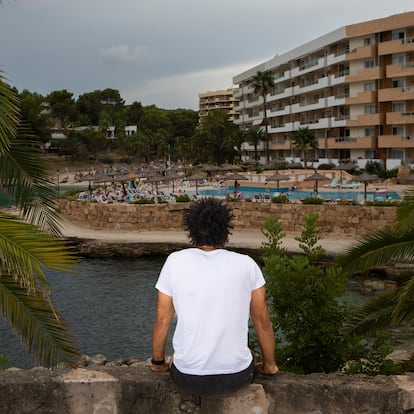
x=129 y=390
x=333 y=218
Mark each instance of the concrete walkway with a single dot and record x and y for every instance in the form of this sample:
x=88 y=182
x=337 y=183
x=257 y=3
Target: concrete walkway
x=249 y=239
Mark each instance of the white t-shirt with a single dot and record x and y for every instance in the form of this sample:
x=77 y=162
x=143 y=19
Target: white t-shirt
x=211 y=292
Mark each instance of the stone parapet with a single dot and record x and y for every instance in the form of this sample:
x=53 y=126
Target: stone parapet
x=353 y=220
x=128 y=390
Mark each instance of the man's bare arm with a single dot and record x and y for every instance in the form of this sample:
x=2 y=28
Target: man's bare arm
x=264 y=331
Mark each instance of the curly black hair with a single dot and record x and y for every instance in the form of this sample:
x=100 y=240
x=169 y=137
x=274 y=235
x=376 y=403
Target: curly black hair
x=208 y=221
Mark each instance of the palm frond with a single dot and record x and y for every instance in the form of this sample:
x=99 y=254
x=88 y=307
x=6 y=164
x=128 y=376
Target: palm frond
x=404 y=309
x=382 y=247
x=26 y=249
x=25 y=178
x=405 y=211
x=9 y=114
x=376 y=314
x=32 y=317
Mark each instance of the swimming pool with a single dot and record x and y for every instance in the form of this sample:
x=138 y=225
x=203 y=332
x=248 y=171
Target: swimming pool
x=248 y=192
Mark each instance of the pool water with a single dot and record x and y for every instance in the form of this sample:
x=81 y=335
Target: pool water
x=248 y=192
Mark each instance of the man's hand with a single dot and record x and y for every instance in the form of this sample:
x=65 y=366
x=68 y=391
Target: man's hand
x=160 y=368
x=267 y=370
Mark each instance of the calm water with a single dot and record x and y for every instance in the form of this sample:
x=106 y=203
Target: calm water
x=110 y=307
x=329 y=195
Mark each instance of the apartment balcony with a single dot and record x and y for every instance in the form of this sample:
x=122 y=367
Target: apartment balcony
x=395 y=94
x=280 y=144
x=281 y=95
x=238 y=93
x=348 y=142
x=338 y=79
x=361 y=98
x=365 y=75
x=338 y=122
x=399 y=118
x=280 y=111
x=395 y=46
x=395 y=141
x=333 y=59
x=320 y=84
x=398 y=71
x=365 y=120
x=363 y=52
x=335 y=101
x=286 y=127
x=320 y=104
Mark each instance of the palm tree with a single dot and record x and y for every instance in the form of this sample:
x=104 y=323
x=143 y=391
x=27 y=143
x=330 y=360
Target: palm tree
x=29 y=243
x=395 y=306
x=304 y=140
x=254 y=136
x=262 y=84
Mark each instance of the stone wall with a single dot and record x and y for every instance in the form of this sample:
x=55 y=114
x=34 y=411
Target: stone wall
x=130 y=390
x=333 y=218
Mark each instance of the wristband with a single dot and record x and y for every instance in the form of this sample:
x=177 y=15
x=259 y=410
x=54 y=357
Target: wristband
x=157 y=361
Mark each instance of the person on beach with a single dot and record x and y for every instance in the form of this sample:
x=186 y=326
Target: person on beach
x=212 y=291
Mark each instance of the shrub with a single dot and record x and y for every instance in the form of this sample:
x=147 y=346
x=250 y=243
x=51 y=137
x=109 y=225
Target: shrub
x=143 y=201
x=182 y=198
x=280 y=199
x=309 y=319
x=312 y=200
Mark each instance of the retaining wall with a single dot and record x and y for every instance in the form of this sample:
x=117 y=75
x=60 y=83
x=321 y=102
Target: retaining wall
x=130 y=390
x=333 y=218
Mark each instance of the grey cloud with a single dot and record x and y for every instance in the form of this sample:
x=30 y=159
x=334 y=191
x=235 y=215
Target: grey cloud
x=123 y=54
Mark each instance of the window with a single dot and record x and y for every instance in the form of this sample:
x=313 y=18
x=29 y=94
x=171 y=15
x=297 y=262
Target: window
x=369 y=154
x=368 y=41
x=398 y=130
x=398 y=83
x=398 y=107
x=369 y=86
x=369 y=109
x=369 y=132
x=398 y=36
x=396 y=154
x=398 y=59
x=370 y=63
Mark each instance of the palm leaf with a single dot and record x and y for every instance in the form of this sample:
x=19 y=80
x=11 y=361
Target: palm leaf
x=32 y=317
x=24 y=177
x=404 y=308
x=405 y=212
x=8 y=115
x=26 y=249
x=376 y=314
x=379 y=248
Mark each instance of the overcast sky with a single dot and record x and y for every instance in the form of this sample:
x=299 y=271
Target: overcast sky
x=161 y=52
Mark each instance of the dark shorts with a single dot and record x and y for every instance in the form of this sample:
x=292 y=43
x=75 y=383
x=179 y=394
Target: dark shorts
x=213 y=384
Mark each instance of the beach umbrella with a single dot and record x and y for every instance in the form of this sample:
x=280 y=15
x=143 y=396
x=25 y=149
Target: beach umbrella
x=348 y=166
x=236 y=176
x=155 y=179
x=365 y=178
x=316 y=177
x=196 y=177
x=277 y=177
x=173 y=177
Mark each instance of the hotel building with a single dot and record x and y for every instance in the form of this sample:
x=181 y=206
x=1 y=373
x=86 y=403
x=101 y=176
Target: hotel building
x=354 y=87
x=210 y=101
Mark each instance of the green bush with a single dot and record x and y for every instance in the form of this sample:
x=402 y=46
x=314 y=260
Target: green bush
x=309 y=318
x=312 y=200
x=143 y=201
x=326 y=166
x=280 y=199
x=183 y=198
